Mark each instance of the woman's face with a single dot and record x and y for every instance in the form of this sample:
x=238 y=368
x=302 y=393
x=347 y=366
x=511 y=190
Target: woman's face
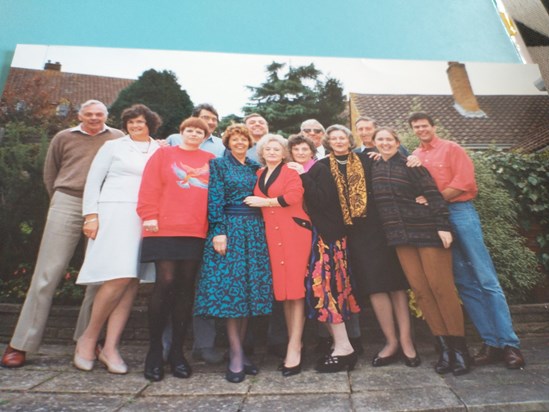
x=339 y=142
x=193 y=136
x=302 y=153
x=273 y=152
x=238 y=144
x=386 y=143
x=137 y=127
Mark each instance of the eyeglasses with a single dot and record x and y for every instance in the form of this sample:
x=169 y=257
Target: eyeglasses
x=317 y=131
x=206 y=118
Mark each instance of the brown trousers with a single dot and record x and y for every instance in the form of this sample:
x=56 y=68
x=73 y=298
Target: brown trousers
x=429 y=272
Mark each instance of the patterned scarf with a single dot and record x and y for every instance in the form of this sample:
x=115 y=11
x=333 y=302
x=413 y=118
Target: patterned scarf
x=351 y=190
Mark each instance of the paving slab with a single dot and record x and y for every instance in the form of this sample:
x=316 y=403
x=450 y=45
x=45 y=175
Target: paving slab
x=90 y=382
x=298 y=403
x=484 y=398
x=394 y=376
x=23 y=379
x=417 y=399
x=210 y=384
x=59 y=403
x=309 y=381
x=185 y=403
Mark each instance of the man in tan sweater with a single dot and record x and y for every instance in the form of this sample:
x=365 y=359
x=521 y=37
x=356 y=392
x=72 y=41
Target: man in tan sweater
x=68 y=160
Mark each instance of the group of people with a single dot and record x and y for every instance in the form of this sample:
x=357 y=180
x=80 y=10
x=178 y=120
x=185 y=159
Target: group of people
x=253 y=224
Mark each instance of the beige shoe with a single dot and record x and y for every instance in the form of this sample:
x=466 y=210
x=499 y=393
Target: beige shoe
x=117 y=369
x=81 y=363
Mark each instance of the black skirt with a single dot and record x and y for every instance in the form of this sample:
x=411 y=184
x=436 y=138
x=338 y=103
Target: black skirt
x=374 y=264
x=171 y=248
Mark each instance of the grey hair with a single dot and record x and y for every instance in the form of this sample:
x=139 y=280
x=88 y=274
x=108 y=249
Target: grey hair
x=340 y=127
x=309 y=121
x=365 y=119
x=272 y=138
x=91 y=102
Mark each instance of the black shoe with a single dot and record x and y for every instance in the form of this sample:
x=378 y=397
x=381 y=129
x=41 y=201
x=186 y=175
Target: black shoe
x=278 y=350
x=251 y=369
x=235 y=377
x=180 y=367
x=387 y=360
x=330 y=364
x=445 y=363
x=294 y=370
x=324 y=346
x=412 y=362
x=462 y=360
x=154 y=367
x=356 y=343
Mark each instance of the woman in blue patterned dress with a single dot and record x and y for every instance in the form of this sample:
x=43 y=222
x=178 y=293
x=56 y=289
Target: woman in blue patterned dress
x=235 y=281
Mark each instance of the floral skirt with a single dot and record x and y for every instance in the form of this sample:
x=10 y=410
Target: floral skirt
x=328 y=285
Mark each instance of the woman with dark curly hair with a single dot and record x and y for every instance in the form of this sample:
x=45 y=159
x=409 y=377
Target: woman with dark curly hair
x=114 y=231
x=235 y=281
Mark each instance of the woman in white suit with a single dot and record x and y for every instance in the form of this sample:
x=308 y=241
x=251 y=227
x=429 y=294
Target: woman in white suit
x=114 y=232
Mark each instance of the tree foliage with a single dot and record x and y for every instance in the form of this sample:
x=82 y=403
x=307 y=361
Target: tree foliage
x=161 y=92
x=286 y=100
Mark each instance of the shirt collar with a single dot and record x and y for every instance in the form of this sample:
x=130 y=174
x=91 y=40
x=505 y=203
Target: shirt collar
x=432 y=144
x=79 y=129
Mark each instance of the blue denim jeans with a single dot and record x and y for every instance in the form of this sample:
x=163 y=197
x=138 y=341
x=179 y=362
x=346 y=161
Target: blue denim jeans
x=476 y=279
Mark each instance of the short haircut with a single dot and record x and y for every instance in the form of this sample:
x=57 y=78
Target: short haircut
x=152 y=119
x=91 y=102
x=236 y=129
x=297 y=139
x=387 y=129
x=254 y=115
x=204 y=106
x=365 y=119
x=420 y=116
x=194 y=122
x=311 y=121
x=339 y=127
x=272 y=138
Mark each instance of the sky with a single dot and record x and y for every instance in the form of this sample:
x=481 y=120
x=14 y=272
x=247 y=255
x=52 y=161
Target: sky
x=221 y=78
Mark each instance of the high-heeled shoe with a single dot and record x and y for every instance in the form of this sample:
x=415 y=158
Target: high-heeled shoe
x=81 y=363
x=117 y=369
x=294 y=370
x=330 y=363
x=386 y=360
x=234 y=377
x=154 y=367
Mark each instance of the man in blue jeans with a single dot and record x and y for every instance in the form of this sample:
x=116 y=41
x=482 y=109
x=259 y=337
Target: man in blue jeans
x=474 y=272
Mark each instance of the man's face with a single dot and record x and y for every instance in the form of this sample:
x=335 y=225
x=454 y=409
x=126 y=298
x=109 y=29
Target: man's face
x=314 y=132
x=424 y=130
x=258 y=127
x=365 y=130
x=93 y=118
x=210 y=119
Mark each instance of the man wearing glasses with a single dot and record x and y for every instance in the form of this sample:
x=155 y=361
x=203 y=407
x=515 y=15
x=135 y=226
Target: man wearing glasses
x=315 y=131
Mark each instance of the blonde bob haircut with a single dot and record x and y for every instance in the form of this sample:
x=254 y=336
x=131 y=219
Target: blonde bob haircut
x=272 y=138
x=236 y=129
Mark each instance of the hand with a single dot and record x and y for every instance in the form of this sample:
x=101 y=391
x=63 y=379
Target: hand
x=90 y=229
x=256 y=201
x=296 y=166
x=374 y=155
x=422 y=200
x=413 y=161
x=220 y=244
x=162 y=142
x=446 y=238
x=150 y=225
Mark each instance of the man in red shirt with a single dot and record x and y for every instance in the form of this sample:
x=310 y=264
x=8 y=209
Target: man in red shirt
x=474 y=272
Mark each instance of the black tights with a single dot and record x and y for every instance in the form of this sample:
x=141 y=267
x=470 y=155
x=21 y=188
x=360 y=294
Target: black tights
x=173 y=294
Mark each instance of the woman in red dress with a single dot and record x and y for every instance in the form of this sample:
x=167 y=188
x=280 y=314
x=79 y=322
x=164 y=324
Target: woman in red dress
x=279 y=193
